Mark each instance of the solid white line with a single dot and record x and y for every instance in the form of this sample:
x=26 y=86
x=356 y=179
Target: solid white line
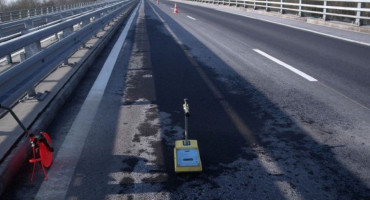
x=304 y=75
x=62 y=170
x=191 y=17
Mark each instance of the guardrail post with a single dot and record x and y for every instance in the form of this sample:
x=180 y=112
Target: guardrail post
x=65 y=33
x=11 y=16
x=281 y=7
x=28 y=14
x=20 y=15
x=85 y=22
x=300 y=8
x=254 y=4
x=9 y=59
x=97 y=16
x=267 y=5
x=31 y=93
x=324 y=11
x=28 y=24
x=31 y=50
x=358 y=14
x=59 y=36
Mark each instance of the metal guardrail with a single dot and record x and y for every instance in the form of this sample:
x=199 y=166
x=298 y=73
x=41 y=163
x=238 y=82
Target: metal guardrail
x=20 y=14
x=21 y=24
x=16 y=81
x=323 y=9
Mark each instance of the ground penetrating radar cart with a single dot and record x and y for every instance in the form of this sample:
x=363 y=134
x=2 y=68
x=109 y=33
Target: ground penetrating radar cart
x=186 y=152
x=42 y=151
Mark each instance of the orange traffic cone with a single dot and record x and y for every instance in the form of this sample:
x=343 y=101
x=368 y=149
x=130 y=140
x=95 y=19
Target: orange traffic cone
x=175 y=9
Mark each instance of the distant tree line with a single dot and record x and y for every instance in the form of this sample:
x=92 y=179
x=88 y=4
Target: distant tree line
x=6 y=5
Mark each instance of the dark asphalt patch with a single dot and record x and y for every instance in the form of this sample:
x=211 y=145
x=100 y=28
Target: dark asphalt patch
x=131 y=162
x=146 y=129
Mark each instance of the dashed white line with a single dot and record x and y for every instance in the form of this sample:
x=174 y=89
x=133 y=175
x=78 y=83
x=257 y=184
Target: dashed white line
x=302 y=74
x=190 y=17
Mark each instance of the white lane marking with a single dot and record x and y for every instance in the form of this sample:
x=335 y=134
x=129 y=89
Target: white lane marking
x=190 y=17
x=62 y=170
x=304 y=75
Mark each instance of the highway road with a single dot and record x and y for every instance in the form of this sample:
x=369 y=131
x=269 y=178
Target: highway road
x=279 y=113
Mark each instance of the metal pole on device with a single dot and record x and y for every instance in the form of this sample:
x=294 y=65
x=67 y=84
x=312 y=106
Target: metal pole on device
x=187 y=115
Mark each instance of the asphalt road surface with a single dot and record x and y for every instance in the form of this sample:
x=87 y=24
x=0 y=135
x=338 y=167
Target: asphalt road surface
x=278 y=113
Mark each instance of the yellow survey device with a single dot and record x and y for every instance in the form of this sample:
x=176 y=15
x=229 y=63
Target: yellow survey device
x=186 y=152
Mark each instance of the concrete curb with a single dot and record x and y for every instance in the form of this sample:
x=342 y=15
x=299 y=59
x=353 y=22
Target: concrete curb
x=339 y=25
x=19 y=154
